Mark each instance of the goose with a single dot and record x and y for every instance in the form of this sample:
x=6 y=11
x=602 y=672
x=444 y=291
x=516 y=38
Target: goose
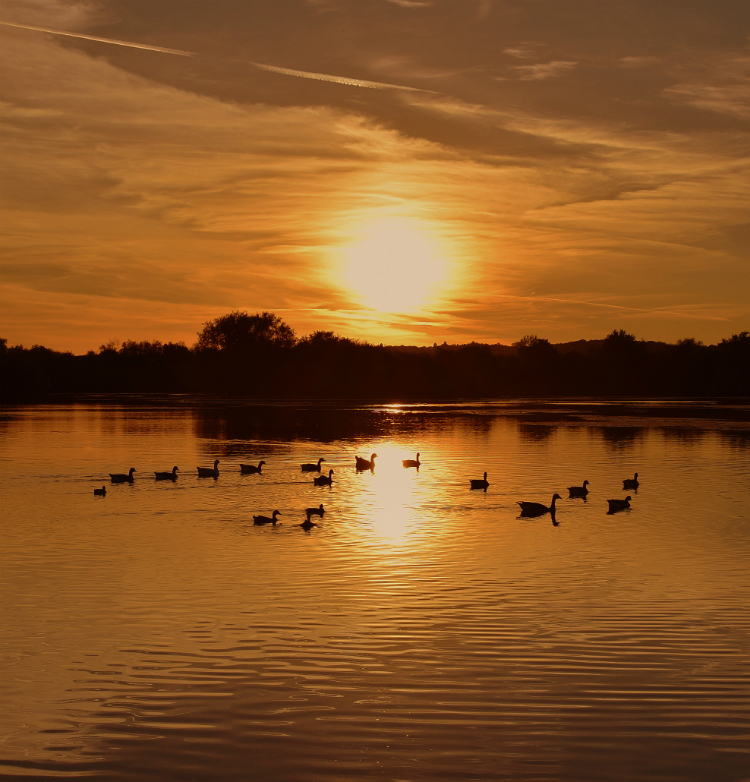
x=365 y=464
x=209 y=472
x=322 y=480
x=537 y=509
x=307 y=525
x=119 y=477
x=251 y=469
x=100 y=492
x=579 y=491
x=312 y=467
x=480 y=484
x=260 y=520
x=618 y=505
x=630 y=483
x=319 y=511
x=167 y=476
x=411 y=462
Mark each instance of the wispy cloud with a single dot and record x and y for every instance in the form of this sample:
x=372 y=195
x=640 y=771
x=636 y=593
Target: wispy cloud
x=545 y=70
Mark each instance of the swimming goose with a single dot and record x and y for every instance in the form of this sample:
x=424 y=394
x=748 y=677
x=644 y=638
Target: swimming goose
x=365 y=464
x=630 y=483
x=480 y=484
x=119 y=477
x=319 y=511
x=411 y=462
x=260 y=520
x=167 y=476
x=312 y=467
x=209 y=472
x=537 y=509
x=579 y=491
x=307 y=525
x=618 y=505
x=100 y=492
x=251 y=469
x=322 y=480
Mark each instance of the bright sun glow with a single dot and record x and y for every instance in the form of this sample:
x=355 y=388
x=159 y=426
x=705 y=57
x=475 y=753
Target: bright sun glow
x=395 y=265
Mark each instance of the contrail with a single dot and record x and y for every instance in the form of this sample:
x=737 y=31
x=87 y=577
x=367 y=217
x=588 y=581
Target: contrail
x=373 y=85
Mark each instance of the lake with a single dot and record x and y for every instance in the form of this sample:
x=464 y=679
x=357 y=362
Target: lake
x=421 y=631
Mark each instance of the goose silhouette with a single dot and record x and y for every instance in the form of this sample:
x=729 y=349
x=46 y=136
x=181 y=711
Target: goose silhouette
x=319 y=511
x=617 y=505
x=323 y=480
x=630 y=483
x=411 y=462
x=480 y=483
x=209 y=472
x=119 y=477
x=251 y=469
x=167 y=476
x=365 y=464
x=259 y=521
x=100 y=492
x=579 y=491
x=307 y=525
x=537 y=509
x=312 y=467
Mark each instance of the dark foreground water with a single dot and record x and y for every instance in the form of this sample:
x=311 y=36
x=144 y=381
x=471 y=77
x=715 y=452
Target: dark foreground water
x=421 y=631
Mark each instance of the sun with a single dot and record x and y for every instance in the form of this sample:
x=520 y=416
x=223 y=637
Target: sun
x=395 y=265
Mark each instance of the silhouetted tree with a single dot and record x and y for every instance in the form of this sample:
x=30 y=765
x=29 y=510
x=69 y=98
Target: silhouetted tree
x=240 y=332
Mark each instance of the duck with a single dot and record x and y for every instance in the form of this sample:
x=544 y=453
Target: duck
x=617 y=505
x=312 y=467
x=119 y=477
x=319 y=511
x=480 y=483
x=411 y=462
x=365 y=464
x=322 y=480
x=209 y=472
x=537 y=509
x=307 y=525
x=579 y=491
x=251 y=469
x=167 y=476
x=630 y=483
x=100 y=492
x=261 y=520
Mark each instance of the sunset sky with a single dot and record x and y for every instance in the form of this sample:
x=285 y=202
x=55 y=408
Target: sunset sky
x=403 y=171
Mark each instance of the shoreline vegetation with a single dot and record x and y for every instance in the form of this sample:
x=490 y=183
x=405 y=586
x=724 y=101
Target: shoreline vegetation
x=260 y=357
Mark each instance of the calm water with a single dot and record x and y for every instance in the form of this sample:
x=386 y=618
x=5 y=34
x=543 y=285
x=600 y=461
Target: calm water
x=422 y=631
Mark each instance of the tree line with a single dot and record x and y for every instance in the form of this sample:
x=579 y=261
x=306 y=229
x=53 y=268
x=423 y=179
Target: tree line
x=260 y=357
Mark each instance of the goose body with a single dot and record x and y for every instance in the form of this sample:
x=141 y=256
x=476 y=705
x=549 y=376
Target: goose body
x=319 y=511
x=312 y=467
x=618 y=505
x=365 y=464
x=630 y=483
x=259 y=521
x=100 y=492
x=411 y=462
x=323 y=480
x=167 y=476
x=307 y=525
x=209 y=472
x=251 y=469
x=537 y=509
x=119 y=477
x=482 y=483
x=579 y=491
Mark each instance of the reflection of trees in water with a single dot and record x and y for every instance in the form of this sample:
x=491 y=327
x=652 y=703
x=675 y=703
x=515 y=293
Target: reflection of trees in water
x=322 y=424
x=536 y=433
x=735 y=438
x=620 y=438
x=685 y=435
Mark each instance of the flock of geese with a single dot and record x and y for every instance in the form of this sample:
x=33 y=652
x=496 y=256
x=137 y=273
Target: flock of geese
x=528 y=509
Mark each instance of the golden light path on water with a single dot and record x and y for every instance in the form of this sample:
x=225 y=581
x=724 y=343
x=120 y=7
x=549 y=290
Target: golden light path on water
x=396 y=264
